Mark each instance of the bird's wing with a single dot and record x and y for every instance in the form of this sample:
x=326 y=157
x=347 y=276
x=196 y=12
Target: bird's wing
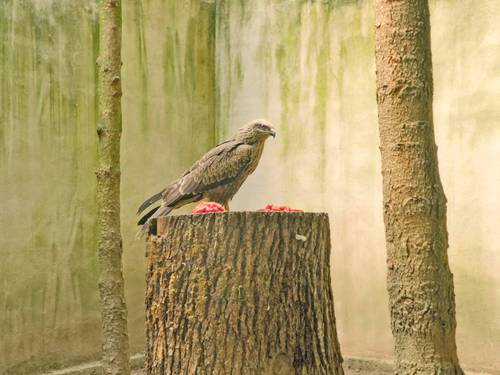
x=212 y=155
x=222 y=165
x=148 y=202
x=170 y=190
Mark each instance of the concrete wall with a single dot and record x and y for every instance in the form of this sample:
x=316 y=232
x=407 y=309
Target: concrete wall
x=309 y=67
x=306 y=65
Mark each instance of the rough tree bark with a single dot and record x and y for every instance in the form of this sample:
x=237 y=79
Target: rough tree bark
x=241 y=293
x=115 y=351
x=420 y=284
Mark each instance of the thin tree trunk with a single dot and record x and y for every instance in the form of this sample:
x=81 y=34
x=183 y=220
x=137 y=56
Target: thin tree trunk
x=115 y=348
x=241 y=293
x=420 y=284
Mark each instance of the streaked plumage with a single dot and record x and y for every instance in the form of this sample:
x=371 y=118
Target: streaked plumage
x=216 y=177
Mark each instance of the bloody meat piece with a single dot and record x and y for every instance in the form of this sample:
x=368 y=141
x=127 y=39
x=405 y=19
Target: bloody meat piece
x=273 y=208
x=206 y=207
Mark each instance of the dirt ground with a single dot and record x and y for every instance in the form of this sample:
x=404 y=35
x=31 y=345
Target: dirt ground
x=352 y=366
x=364 y=367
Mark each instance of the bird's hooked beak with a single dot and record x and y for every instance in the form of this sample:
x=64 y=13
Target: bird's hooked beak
x=272 y=132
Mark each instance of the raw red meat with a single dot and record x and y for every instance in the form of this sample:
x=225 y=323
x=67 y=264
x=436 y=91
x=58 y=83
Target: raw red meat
x=273 y=208
x=206 y=207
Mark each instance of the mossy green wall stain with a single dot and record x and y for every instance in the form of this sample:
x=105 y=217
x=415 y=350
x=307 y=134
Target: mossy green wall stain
x=49 y=312
x=179 y=40
x=47 y=177
x=189 y=82
x=288 y=67
x=324 y=60
x=228 y=72
x=137 y=33
x=304 y=51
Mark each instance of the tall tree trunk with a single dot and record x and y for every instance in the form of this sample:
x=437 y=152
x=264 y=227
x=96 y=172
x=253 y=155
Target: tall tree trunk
x=115 y=348
x=241 y=293
x=420 y=284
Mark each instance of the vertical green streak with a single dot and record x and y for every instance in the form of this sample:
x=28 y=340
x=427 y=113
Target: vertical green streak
x=229 y=75
x=189 y=81
x=168 y=114
x=288 y=65
x=3 y=76
x=143 y=68
x=323 y=79
x=303 y=59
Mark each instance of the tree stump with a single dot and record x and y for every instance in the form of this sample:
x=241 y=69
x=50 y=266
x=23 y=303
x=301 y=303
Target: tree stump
x=241 y=293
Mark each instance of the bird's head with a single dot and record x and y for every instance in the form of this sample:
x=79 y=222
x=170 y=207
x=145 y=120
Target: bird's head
x=256 y=131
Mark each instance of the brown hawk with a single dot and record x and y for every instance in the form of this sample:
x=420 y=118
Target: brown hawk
x=216 y=177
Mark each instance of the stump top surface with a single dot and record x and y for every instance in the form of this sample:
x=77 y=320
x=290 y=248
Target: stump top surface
x=255 y=216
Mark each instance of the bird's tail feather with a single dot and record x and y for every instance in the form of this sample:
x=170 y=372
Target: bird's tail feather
x=154 y=214
x=145 y=218
x=148 y=202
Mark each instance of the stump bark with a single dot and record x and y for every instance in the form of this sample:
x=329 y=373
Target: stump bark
x=241 y=293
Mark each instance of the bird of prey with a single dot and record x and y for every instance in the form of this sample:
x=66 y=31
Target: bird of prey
x=216 y=177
